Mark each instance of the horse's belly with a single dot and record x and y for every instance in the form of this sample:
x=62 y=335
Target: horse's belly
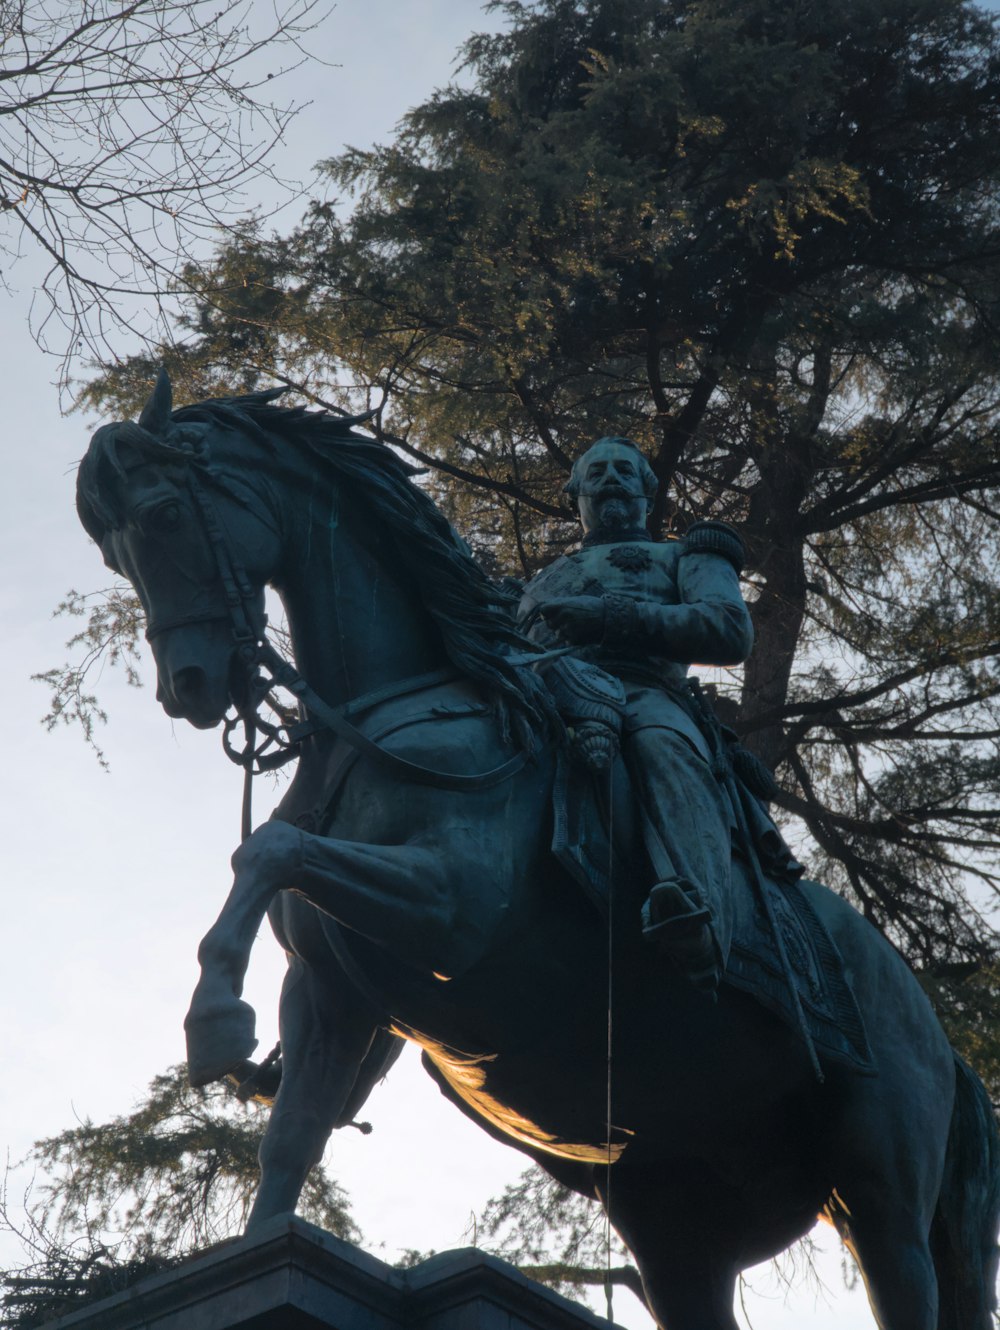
x=714 y=1078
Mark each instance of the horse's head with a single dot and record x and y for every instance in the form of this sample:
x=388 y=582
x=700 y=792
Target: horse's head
x=196 y=542
x=200 y=508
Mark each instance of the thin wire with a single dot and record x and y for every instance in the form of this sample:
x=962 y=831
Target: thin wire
x=608 y=1286
x=246 y=815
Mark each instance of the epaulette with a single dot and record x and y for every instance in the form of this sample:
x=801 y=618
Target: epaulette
x=712 y=537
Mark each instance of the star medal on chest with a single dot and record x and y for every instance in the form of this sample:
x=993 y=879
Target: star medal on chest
x=631 y=558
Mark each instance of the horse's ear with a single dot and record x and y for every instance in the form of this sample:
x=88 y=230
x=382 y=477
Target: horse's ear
x=156 y=413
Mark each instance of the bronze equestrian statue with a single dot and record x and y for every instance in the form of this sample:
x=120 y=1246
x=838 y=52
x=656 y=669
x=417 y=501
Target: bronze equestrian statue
x=443 y=869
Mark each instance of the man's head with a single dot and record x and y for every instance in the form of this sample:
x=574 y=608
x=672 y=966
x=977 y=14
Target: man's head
x=613 y=486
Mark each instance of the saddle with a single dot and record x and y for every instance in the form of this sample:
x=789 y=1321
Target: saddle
x=594 y=832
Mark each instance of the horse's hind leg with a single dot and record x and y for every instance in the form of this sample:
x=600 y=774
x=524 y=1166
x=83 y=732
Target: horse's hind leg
x=968 y=1213
x=932 y=1266
x=885 y=1199
x=887 y=1142
x=892 y=1248
x=326 y=1034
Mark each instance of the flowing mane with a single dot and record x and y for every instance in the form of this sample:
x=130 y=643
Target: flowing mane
x=474 y=616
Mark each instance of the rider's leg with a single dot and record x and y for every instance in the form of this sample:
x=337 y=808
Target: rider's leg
x=687 y=831
x=326 y=1031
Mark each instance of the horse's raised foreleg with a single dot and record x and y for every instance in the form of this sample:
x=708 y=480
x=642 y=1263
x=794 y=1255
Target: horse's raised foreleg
x=405 y=897
x=331 y=1056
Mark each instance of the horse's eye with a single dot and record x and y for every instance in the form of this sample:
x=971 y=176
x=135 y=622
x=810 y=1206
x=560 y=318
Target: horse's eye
x=165 y=517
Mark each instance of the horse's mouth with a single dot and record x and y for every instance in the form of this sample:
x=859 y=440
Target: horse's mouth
x=192 y=695
x=202 y=715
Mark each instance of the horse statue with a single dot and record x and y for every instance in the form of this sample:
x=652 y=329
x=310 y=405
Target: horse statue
x=409 y=875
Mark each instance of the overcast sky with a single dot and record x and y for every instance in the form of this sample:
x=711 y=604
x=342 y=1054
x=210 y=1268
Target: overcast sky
x=112 y=878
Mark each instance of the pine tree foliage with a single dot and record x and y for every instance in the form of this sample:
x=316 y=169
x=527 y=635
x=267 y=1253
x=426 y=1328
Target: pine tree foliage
x=181 y=1168
x=119 y=1200
x=61 y=1277
x=112 y=621
x=762 y=239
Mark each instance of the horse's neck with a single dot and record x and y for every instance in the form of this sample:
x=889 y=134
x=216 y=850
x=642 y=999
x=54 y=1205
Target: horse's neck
x=355 y=623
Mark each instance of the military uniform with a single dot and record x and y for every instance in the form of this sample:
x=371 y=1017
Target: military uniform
x=667 y=605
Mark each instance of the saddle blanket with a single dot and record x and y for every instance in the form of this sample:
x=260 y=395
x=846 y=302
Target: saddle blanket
x=831 y=1013
x=581 y=844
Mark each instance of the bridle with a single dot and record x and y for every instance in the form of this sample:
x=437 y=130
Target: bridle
x=251 y=646
x=266 y=669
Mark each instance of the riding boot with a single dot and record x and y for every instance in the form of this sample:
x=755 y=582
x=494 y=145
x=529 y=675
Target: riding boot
x=686 y=832
x=676 y=922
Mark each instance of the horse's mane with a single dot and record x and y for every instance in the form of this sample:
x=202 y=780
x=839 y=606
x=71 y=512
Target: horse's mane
x=474 y=616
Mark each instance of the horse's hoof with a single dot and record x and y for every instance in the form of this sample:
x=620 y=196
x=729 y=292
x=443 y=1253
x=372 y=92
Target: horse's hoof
x=218 y=1040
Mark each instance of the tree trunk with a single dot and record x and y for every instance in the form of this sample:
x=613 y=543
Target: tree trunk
x=777 y=549
x=777 y=618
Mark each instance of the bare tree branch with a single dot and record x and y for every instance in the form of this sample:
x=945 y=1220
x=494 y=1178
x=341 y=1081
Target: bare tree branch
x=127 y=133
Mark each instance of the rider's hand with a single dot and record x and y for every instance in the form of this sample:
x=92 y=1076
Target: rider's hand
x=578 y=619
x=594 y=745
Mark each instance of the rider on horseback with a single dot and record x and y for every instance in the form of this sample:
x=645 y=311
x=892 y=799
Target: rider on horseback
x=643 y=611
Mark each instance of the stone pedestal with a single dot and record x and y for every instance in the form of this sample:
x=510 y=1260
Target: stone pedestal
x=290 y=1275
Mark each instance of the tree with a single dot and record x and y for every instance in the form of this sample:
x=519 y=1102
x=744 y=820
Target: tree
x=127 y=133
x=762 y=239
x=123 y=1199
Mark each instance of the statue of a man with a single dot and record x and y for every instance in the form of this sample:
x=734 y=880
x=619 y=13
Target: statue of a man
x=644 y=611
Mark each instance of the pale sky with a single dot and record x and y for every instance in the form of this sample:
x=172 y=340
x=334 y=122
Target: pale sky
x=111 y=879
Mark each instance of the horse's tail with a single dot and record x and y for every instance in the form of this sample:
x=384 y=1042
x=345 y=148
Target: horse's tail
x=968 y=1210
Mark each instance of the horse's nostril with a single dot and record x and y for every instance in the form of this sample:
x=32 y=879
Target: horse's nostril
x=188 y=683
